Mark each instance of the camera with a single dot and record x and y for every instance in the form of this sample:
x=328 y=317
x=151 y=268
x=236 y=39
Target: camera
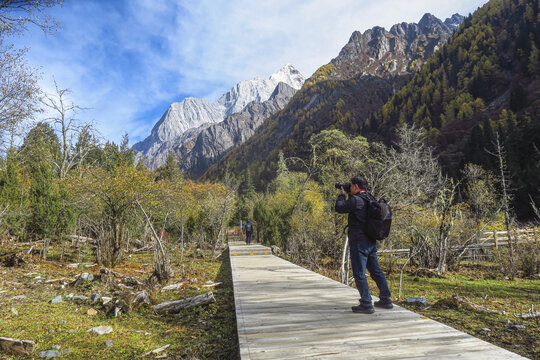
x=346 y=186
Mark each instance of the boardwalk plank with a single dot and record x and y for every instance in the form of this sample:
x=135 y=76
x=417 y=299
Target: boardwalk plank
x=288 y=312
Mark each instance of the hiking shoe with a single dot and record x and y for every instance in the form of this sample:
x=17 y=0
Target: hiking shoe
x=363 y=309
x=385 y=304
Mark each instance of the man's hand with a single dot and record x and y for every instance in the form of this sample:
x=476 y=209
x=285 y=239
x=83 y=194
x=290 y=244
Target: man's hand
x=342 y=191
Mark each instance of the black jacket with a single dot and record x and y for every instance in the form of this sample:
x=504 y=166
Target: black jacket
x=355 y=206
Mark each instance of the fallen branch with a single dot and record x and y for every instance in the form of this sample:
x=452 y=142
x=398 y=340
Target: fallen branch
x=530 y=315
x=174 y=307
x=156 y=351
x=175 y=286
x=129 y=280
x=211 y=285
x=18 y=244
x=57 y=280
x=464 y=300
x=140 y=250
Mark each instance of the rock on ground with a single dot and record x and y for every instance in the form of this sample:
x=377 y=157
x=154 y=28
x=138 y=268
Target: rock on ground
x=16 y=346
x=101 y=330
x=421 y=300
x=50 y=354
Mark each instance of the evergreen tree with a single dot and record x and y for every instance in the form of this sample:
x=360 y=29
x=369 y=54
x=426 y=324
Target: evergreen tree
x=44 y=199
x=170 y=170
x=12 y=196
x=247 y=190
x=41 y=144
x=118 y=155
x=534 y=61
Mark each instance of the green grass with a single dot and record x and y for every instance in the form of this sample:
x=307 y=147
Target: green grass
x=206 y=332
x=209 y=332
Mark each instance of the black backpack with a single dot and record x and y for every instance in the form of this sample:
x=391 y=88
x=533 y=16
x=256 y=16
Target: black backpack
x=249 y=227
x=379 y=217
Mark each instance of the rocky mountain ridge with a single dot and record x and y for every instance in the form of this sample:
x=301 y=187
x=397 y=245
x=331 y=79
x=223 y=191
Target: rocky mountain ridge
x=369 y=69
x=208 y=146
x=186 y=119
x=400 y=51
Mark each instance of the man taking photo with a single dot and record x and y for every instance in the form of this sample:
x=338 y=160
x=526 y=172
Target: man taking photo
x=363 y=250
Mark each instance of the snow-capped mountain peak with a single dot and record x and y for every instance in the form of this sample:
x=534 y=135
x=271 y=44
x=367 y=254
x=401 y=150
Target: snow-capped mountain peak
x=180 y=121
x=259 y=89
x=290 y=76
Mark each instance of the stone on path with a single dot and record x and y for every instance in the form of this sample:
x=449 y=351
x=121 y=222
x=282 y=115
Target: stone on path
x=82 y=278
x=87 y=276
x=417 y=300
x=16 y=346
x=79 y=298
x=105 y=299
x=101 y=330
x=18 y=297
x=50 y=354
x=57 y=300
x=514 y=328
x=94 y=297
x=92 y=312
x=108 y=343
x=141 y=298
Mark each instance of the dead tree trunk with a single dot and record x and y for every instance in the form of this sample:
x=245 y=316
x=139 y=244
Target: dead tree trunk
x=174 y=307
x=162 y=264
x=506 y=200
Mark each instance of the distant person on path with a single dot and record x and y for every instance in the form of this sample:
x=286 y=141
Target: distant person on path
x=362 y=249
x=248 y=229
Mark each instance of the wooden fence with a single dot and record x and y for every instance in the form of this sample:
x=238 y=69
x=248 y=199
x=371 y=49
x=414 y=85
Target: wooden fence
x=488 y=240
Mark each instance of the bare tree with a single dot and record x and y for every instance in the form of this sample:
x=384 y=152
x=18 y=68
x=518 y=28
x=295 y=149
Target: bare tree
x=15 y=15
x=416 y=178
x=63 y=117
x=445 y=200
x=19 y=93
x=162 y=264
x=505 y=198
x=231 y=188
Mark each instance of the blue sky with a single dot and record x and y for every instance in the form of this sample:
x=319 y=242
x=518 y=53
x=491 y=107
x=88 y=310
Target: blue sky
x=126 y=61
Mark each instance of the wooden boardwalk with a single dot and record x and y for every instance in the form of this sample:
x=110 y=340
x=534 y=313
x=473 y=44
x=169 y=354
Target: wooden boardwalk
x=284 y=311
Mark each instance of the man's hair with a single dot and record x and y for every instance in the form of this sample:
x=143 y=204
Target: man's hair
x=360 y=181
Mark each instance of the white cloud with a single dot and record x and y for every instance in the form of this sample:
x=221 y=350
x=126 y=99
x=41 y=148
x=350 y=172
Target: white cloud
x=128 y=60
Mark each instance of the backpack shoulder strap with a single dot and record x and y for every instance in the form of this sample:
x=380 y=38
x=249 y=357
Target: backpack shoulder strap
x=366 y=204
x=367 y=196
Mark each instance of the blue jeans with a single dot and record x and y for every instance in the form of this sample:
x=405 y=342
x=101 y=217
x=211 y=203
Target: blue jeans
x=364 y=256
x=248 y=237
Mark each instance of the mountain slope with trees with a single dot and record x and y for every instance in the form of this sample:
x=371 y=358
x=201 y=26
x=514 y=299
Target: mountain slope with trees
x=484 y=82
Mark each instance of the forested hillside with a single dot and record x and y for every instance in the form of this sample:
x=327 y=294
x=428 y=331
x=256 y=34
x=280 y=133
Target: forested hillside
x=483 y=82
